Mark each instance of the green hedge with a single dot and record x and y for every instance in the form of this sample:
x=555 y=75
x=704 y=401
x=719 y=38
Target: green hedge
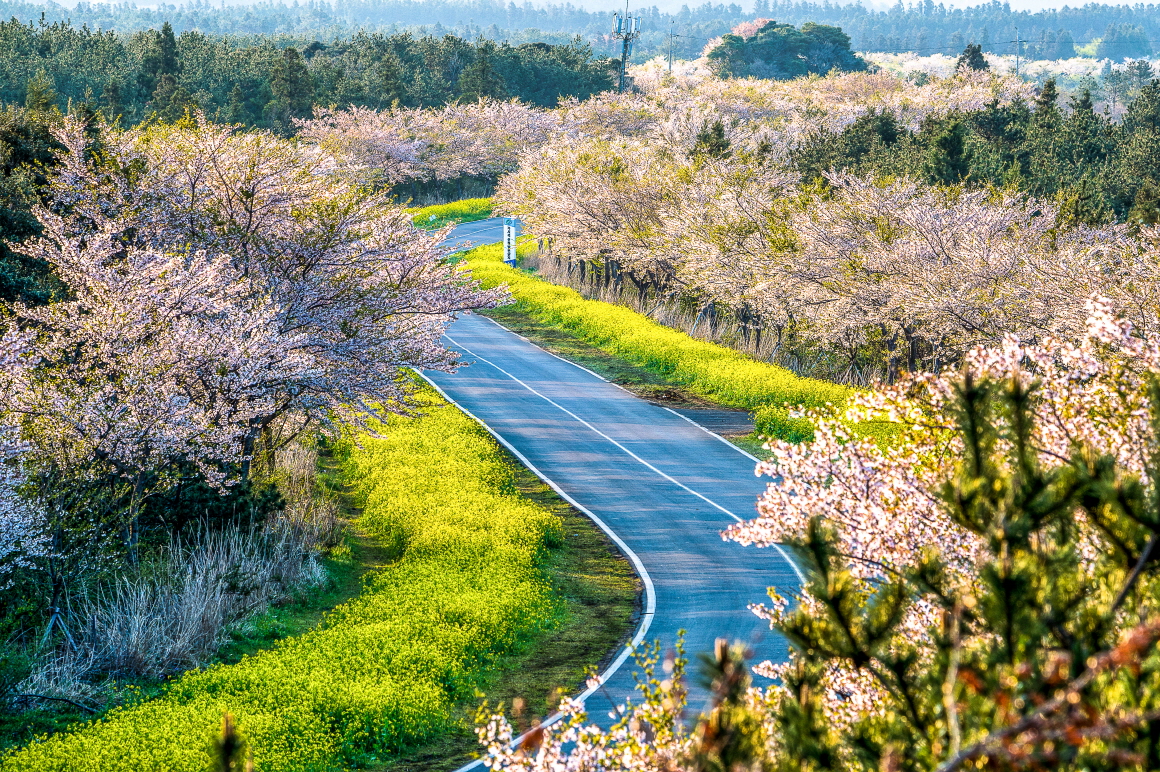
x=714 y=372
x=382 y=671
x=467 y=210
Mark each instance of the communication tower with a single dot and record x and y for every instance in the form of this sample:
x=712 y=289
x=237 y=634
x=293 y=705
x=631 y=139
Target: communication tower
x=626 y=28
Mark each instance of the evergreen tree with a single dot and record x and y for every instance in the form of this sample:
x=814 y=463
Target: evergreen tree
x=388 y=81
x=712 y=142
x=236 y=111
x=783 y=51
x=292 y=90
x=949 y=161
x=159 y=58
x=171 y=101
x=972 y=58
x=26 y=154
x=1064 y=46
x=1047 y=678
x=480 y=79
x=1146 y=207
x=40 y=94
x=1123 y=41
x=111 y=105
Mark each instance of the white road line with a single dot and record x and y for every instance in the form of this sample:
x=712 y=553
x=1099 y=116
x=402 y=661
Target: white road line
x=780 y=550
x=714 y=435
x=593 y=373
x=552 y=402
x=649 y=590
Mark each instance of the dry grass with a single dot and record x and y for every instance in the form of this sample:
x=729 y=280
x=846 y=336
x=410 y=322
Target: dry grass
x=175 y=613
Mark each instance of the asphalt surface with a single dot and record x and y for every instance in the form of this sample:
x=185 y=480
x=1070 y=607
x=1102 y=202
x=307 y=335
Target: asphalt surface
x=473 y=234
x=664 y=487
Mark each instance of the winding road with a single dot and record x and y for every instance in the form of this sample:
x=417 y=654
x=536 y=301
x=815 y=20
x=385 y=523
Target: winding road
x=659 y=484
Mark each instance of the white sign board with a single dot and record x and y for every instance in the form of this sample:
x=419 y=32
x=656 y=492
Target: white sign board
x=511 y=231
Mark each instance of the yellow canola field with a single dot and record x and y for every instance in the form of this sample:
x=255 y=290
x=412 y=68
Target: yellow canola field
x=382 y=672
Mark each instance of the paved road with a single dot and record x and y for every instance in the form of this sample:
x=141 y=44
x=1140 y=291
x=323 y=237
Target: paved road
x=664 y=486
x=473 y=234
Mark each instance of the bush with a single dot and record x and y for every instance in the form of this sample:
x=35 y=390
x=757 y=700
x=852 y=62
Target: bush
x=715 y=372
x=467 y=210
x=382 y=671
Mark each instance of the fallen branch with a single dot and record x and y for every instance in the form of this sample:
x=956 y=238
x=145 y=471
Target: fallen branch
x=57 y=699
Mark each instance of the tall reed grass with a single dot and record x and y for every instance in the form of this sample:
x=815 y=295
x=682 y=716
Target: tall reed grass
x=174 y=612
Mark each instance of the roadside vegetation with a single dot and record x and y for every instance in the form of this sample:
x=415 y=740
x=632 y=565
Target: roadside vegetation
x=474 y=572
x=712 y=372
x=454 y=213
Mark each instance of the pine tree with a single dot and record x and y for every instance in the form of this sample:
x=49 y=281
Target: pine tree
x=972 y=58
x=40 y=93
x=387 y=85
x=949 y=161
x=159 y=59
x=712 y=142
x=1058 y=685
x=171 y=101
x=111 y=104
x=480 y=79
x=292 y=89
x=1146 y=207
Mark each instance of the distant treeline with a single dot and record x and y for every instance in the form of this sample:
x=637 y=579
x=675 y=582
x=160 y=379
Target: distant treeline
x=158 y=73
x=929 y=28
x=925 y=27
x=302 y=23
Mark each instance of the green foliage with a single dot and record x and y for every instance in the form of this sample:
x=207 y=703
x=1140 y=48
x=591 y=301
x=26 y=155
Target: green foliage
x=728 y=736
x=1123 y=41
x=382 y=671
x=783 y=51
x=1093 y=167
x=26 y=147
x=712 y=142
x=467 y=210
x=268 y=82
x=1027 y=666
x=972 y=58
x=714 y=372
x=480 y=80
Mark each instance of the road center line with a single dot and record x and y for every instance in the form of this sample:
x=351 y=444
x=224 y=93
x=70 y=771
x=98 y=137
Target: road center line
x=780 y=550
x=550 y=401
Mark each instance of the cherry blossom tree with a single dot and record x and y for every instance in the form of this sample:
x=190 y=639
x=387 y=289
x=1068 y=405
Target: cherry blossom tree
x=22 y=531
x=982 y=590
x=224 y=290
x=484 y=138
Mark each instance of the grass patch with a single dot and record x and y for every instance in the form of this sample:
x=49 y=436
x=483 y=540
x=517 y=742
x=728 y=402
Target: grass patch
x=704 y=370
x=467 y=210
x=640 y=381
x=475 y=573
x=600 y=593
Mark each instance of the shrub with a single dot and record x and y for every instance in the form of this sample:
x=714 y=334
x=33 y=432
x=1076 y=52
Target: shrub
x=467 y=210
x=382 y=671
x=715 y=372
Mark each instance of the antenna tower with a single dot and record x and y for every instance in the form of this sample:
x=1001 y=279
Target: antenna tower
x=626 y=28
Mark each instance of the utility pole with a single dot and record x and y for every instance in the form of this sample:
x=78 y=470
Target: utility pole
x=1016 y=52
x=627 y=28
x=671 y=29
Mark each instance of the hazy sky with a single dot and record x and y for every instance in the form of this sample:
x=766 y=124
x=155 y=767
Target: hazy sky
x=674 y=5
